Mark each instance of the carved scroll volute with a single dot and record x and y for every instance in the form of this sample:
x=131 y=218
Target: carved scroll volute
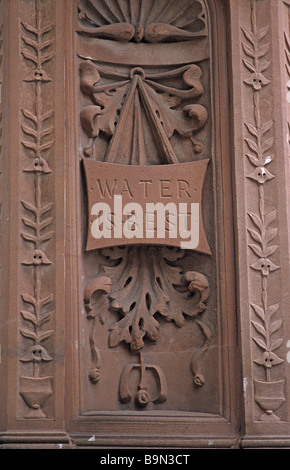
x=136 y=94
x=143 y=396
x=96 y=308
x=142 y=116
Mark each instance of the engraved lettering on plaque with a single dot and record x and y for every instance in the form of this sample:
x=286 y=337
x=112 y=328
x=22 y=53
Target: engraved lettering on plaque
x=135 y=205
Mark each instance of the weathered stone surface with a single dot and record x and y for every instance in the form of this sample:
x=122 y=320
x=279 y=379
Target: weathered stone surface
x=112 y=319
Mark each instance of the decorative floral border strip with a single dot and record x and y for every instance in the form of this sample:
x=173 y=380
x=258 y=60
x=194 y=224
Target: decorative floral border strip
x=38 y=131
x=268 y=393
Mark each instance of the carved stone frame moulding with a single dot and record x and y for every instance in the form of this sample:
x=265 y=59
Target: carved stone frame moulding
x=64 y=375
x=32 y=238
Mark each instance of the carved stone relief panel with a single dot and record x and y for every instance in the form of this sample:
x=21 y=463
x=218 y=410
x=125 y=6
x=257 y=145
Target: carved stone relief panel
x=144 y=216
x=151 y=325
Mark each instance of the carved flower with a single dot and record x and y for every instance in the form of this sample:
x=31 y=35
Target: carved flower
x=142 y=397
x=94 y=375
x=268 y=360
x=38 y=165
x=257 y=80
x=36 y=354
x=199 y=380
x=36 y=258
x=265 y=266
x=37 y=75
x=261 y=175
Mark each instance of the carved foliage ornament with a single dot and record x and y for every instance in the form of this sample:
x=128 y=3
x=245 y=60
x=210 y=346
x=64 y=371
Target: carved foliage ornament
x=138 y=284
x=38 y=129
x=122 y=105
x=269 y=394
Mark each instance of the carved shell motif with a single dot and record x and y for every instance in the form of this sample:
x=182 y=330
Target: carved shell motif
x=151 y=21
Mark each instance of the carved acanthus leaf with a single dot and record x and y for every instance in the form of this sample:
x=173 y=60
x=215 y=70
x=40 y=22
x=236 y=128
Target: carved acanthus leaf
x=121 y=103
x=143 y=281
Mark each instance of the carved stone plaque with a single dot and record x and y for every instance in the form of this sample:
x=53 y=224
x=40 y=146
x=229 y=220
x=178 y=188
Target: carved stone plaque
x=159 y=205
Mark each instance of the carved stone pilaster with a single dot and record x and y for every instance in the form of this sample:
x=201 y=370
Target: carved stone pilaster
x=263 y=309
x=266 y=321
x=36 y=385
x=32 y=288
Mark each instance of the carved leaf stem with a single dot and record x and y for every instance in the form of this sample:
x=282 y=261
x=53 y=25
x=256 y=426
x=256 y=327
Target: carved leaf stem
x=262 y=232
x=37 y=217
x=138 y=114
